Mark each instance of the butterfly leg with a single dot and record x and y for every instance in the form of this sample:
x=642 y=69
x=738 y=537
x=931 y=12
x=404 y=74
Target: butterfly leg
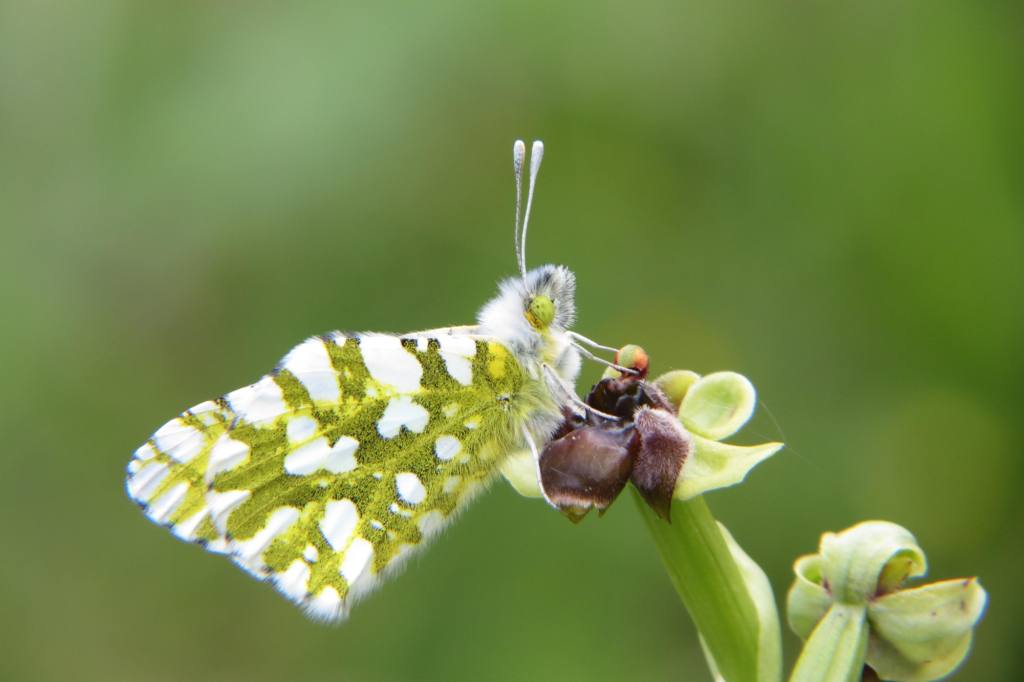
x=590 y=356
x=576 y=336
x=574 y=401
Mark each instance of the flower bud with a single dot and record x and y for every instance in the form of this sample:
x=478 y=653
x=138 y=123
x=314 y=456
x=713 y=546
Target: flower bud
x=857 y=577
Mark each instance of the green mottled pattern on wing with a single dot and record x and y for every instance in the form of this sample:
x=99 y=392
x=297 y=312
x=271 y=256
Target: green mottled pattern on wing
x=306 y=491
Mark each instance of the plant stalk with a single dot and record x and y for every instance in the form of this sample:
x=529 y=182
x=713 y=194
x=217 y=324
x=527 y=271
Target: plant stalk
x=711 y=585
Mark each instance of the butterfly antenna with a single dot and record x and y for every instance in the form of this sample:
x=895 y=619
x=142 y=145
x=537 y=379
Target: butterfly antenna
x=536 y=155
x=518 y=156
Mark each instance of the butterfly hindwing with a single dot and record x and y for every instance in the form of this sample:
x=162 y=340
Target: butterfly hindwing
x=322 y=475
x=167 y=475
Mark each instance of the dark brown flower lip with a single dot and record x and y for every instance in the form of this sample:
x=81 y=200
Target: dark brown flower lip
x=664 y=448
x=590 y=458
x=588 y=467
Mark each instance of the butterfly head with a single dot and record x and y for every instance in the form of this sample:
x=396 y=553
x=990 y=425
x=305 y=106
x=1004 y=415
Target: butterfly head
x=533 y=311
x=548 y=301
x=528 y=310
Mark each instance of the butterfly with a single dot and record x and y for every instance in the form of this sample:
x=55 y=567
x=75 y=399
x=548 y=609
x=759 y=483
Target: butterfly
x=323 y=476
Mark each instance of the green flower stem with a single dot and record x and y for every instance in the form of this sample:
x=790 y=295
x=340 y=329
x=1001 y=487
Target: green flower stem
x=711 y=585
x=836 y=649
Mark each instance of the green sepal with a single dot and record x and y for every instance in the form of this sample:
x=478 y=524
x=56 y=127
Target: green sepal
x=834 y=652
x=718 y=405
x=924 y=633
x=714 y=465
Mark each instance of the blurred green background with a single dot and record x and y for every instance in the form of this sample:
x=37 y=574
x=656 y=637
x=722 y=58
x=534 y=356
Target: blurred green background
x=827 y=199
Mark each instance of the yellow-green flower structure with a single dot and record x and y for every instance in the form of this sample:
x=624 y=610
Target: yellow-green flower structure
x=710 y=408
x=726 y=593
x=851 y=603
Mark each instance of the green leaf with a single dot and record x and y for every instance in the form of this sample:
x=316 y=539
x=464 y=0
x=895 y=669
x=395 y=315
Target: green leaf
x=769 y=645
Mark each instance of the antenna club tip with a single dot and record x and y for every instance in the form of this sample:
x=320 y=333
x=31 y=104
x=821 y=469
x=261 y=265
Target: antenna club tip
x=536 y=154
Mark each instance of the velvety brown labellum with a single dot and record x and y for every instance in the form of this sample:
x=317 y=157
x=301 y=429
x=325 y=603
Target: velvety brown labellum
x=589 y=458
x=588 y=467
x=664 y=447
x=623 y=397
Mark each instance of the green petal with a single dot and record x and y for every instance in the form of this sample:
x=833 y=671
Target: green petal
x=718 y=404
x=867 y=558
x=520 y=469
x=924 y=633
x=807 y=602
x=676 y=384
x=719 y=465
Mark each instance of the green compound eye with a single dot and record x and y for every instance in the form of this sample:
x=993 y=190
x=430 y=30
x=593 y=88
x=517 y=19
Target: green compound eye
x=541 y=312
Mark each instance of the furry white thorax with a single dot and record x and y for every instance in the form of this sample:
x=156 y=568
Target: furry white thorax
x=503 y=319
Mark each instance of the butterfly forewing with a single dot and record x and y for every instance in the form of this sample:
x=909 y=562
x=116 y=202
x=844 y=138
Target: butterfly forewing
x=323 y=474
